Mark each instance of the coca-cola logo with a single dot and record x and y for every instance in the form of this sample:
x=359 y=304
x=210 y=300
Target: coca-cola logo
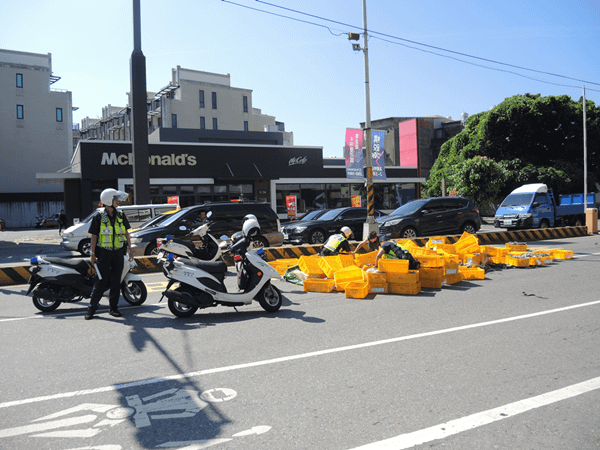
x=298 y=160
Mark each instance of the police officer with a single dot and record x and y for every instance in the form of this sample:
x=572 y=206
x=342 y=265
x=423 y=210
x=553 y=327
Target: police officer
x=337 y=242
x=110 y=241
x=393 y=250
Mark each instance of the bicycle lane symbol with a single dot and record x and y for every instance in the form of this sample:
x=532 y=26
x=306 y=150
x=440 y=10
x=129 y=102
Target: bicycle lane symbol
x=169 y=404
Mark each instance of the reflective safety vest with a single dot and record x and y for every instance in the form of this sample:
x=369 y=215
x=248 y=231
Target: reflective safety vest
x=334 y=242
x=112 y=237
x=391 y=254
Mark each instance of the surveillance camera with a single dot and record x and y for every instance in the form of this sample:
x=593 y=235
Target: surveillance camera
x=356 y=47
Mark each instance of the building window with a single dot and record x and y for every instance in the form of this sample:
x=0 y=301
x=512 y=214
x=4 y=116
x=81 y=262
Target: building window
x=19 y=80
x=245 y=125
x=214 y=100
x=20 y=112
x=245 y=103
x=215 y=123
x=202 y=123
x=174 y=120
x=201 y=99
x=59 y=115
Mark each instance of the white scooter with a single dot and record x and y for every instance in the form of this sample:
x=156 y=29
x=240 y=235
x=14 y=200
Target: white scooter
x=209 y=251
x=66 y=281
x=201 y=284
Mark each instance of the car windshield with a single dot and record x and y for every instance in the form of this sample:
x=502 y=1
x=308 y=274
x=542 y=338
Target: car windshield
x=313 y=214
x=330 y=215
x=174 y=218
x=518 y=200
x=155 y=221
x=409 y=208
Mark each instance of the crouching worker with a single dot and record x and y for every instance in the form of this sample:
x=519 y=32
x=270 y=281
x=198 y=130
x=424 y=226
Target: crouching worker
x=337 y=243
x=393 y=250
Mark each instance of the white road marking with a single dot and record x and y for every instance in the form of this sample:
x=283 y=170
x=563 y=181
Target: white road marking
x=289 y=358
x=444 y=430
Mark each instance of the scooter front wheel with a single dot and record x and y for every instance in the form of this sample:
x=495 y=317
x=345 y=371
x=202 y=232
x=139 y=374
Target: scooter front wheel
x=270 y=298
x=134 y=292
x=181 y=309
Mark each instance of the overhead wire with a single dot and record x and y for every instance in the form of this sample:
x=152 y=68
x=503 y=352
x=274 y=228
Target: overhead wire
x=377 y=34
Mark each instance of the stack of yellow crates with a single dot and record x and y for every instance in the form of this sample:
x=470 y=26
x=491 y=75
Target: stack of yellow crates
x=398 y=278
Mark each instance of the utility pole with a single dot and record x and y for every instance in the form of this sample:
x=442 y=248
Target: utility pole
x=370 y=224
x=139 y=125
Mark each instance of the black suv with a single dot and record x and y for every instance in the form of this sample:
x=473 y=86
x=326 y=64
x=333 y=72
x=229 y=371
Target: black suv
x=226 y=219
x=317 y=231
x=431 y=216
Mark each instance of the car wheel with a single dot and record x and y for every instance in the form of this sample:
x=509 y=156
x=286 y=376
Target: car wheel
x=85 y=247
x=409 y=233
x=544 y=224
x=151 y=249
x=469 y=227
x=316 y=237
x=260 y=242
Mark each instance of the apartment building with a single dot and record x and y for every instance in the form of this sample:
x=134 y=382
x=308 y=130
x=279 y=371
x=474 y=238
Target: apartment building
x=192 y=100
x=35 y=135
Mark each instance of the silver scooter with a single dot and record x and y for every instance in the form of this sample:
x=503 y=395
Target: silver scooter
x=201 y=284
x=67 y=281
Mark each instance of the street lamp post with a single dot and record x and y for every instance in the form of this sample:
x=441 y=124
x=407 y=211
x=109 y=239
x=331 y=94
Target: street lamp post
x=370 y=224
x=139 y=124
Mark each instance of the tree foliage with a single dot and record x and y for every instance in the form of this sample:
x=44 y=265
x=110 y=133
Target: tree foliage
x=525 y=139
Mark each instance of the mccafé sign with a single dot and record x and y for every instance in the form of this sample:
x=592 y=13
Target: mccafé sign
x=183 y=159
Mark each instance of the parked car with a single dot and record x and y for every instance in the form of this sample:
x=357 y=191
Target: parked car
x=317 y=231
x=431 y=216
x=310 y=215
x=77 y=239
x=226 y=220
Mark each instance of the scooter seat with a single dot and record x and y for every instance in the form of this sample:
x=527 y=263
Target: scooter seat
x=80 y=266
x=207 y=266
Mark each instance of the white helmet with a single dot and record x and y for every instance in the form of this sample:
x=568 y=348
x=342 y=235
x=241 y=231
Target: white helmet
x=248 y=217
x=108 y=195
x=250 y=228
x=347 y=231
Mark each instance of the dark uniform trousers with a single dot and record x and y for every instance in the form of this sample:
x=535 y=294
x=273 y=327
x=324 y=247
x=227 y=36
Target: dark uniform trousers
x=110 y=264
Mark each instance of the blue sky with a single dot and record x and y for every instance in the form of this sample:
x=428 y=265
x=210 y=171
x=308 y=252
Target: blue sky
x=308 y=76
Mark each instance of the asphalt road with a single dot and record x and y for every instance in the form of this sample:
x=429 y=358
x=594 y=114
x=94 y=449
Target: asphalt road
x=508 y=362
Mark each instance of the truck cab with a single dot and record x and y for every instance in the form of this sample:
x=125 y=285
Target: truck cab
x=529 y=206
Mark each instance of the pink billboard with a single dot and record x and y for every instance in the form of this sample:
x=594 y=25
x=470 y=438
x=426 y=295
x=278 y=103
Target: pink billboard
x=353 y=154
x=407 y=132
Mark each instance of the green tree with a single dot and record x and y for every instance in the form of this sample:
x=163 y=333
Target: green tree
x=525 y=139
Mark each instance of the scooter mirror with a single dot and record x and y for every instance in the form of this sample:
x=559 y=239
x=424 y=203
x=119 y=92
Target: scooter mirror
x=208 y=214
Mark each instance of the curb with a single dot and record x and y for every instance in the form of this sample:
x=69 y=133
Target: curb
x=147 y=264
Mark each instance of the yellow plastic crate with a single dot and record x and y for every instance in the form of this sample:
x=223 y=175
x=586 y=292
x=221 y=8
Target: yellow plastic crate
x=517 y=259
x=310 y=266
x=558 y=253
x=474 y=258
x=319 y=285
x=431 y=277
x=393 y=265
x=410 y=277
x=331 y=264
x=453 y=279
x=434 y=241
x=467 y=242
x=365 y=259
x=471 y=273
x=433 y=260
x=281 y=265
x=376 y=277
x=408 y=243
x=378 y=287
x=446 y=248
x=421 y=251
x=516 y=246
x=344 y=276
x=357 y=289
x=406 y=289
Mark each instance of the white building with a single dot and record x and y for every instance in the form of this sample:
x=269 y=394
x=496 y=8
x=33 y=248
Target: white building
x=192 y=100
x=36 y=125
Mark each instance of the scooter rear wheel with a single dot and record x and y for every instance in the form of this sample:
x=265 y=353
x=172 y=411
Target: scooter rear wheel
x=181 y=309
x=43 y=304
x=270 y=298
x=134 y=292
